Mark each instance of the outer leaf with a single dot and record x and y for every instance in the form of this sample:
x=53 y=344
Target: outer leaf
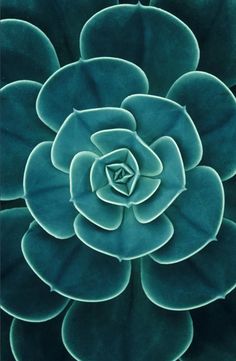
x=86 y=84
x=19 y=38
x=107 y=216
x=41 y=341
x=157 y=117
x=213 y=109
x=140 y=330
x=157 y=41
x=213 y=23
x=196 y=215
x=172 y=181
x=204 y=278
x=63 y=30
x=214 y=332
x=74 y=135
x=21 y=131
x=21 y=288
x=47 y=193
x=6 y=354
x=131 y=240
x=230 y=198
x=77 y=272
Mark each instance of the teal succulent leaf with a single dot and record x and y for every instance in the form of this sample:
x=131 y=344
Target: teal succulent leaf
x=131 y=240
x=212 y=107
x=205 y=277
x=135 y=323
x=98 y=276
x=21 y=131
x=157 y=117
x=21 y=289
x=144 y=36
x=172 y=181
x=60 y=20
x=86 y=84
x=213 y=23
x=47 y=194
x=74 y=134
x=107 y=216
x=230 y=198
x=6 y=354
x=19 y=38
x=214 y=332
x=110 y=139
x=41 y=341
x=196 y=216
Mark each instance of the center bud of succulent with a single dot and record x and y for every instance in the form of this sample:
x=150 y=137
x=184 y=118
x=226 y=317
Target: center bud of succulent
x=121 y=177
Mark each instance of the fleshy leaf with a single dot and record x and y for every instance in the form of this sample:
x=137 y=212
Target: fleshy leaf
x=21 y=131
x=41 y=341
x=196 y=216
x=212 y=107
x=63 y=30
x=74 y=135
x=144 y=188
x=123 y=327
x=47 y=193
x=213 y=23
x=111 y=139
x=131 y=240
x=6 y=354
x=77 y=271
x=86 y=84
x=162 y=45
x=104 y=170
x=214 y=332
x=85 y=200
x=19 y=38
x=21 y=289
x=205 y=277
x=230 y=198
x=172 y=181
x=157 y=117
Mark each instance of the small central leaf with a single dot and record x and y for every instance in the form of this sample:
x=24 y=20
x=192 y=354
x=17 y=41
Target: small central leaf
x=121 y=177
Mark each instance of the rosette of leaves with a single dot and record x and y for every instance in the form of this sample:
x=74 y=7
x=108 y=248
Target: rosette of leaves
x=125 y=159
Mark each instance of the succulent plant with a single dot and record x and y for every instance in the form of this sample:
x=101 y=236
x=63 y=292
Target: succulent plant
x=118 y=186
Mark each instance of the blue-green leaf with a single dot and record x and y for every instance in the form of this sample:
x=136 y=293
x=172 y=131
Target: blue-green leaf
x=21 y=131
x=38 y=341
x=212 y=107
x=23 y=294
x=129 y=327
x=172 y=181
x=110 y=139
x=205 y=277
x=213 y=23
x=144 y=189
x=196 y=216
x=60 y=20
x=86 y=84
x=131 y=240
x=105 y=215
x=157 y=117
x=74 y=270
x=26 y=46
x=214 y=332
x=74 y=135
x=162 y=45
x=47 y=193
